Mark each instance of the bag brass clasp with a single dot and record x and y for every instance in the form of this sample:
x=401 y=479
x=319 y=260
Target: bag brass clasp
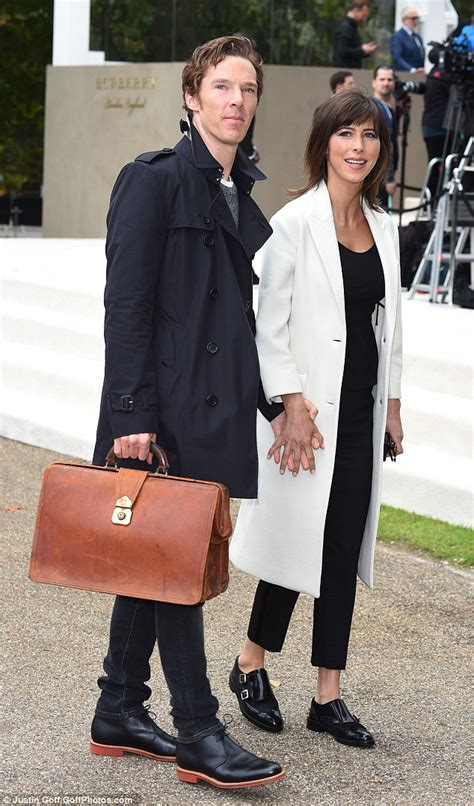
x=122 y=514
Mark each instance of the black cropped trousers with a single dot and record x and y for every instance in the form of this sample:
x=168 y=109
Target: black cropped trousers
x=344 y=527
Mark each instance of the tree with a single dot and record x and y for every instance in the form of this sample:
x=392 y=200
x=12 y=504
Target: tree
x=25 y=45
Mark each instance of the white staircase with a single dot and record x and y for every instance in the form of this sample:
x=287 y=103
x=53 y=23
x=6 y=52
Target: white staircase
x=52 y=320
x=435 y=474
x=52 y=352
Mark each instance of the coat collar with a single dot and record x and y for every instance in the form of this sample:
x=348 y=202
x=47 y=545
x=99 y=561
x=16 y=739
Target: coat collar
x=244 y=172
x=323 y=232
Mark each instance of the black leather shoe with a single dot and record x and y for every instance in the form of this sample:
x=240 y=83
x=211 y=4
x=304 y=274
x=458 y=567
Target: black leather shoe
x=218 y=760
x=334 y=717
x=137 y=733
x=256 y=698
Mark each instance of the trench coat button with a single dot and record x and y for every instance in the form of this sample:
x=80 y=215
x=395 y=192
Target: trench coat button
x=211 y=400
x=206 y=220
x=213 y=293
x=212 y=348
x=248 y=305
x=384 y=340
x=209 y=240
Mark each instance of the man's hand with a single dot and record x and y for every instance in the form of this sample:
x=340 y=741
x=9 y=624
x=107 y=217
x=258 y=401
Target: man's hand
x=296 y=434
x=394 y=423
x=369 y=47
x=135 y=446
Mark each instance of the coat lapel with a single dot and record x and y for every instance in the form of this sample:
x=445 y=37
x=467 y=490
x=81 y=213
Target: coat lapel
x=323 y=233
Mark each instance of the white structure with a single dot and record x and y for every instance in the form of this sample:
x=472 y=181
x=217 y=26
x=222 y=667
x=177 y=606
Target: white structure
x=71 y=34
x=438 y=19
x=52 y=321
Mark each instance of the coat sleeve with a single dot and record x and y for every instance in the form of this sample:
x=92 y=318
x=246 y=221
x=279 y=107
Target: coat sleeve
x=277 y=365
x=394 y=384
x=136 y=237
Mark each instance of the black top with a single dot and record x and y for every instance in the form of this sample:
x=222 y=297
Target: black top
x=364 y=287
x=347 y=50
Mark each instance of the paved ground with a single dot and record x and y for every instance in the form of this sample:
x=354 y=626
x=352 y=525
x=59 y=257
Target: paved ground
x=408 y=680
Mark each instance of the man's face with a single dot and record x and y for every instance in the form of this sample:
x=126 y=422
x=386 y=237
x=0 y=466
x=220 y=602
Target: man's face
x=362 y=14
x=411 y=19
x=384 y=84
x=347 y=84
x=225 y=105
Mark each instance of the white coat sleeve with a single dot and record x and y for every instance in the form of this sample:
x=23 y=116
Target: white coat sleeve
x=277 y=365
x=394 y=385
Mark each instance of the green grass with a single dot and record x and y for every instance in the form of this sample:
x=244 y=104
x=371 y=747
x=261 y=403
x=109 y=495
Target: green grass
x=443 y=540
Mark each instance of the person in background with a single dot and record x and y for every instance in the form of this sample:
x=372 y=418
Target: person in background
x=406 y=45
x=383 y=85
x=348 y=50
x=181 y=363
x=342 y=80
x=329 y=329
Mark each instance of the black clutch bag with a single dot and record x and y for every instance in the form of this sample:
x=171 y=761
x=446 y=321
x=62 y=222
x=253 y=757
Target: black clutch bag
x=389 y=448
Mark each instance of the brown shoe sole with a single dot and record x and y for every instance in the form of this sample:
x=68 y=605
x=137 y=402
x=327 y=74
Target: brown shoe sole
x=192 y=777
x=118 y=750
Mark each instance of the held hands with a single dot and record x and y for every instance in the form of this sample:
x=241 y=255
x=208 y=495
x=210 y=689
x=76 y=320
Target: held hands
x=394 y=424
x=296 y=435
x=135 y=446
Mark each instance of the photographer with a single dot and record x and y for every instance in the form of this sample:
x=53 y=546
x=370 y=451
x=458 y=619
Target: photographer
x=383 y=85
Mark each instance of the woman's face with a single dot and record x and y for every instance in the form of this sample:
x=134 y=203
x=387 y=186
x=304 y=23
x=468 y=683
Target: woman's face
x=352 y=153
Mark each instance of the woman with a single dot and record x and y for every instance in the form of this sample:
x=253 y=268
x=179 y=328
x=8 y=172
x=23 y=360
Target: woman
x=328 y=329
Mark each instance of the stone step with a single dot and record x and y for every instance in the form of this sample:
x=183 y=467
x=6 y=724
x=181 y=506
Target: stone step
x=76 y=334
x=437 y=420
x=428 y=482
x=49 y=422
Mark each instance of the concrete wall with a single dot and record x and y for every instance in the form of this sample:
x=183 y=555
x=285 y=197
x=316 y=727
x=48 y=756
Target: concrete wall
x=100 y=117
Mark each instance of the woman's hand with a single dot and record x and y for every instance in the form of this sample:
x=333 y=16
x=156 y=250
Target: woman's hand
x=394 y=423
x=296 y=434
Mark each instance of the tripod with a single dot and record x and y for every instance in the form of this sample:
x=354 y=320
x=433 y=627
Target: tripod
x=448 y=221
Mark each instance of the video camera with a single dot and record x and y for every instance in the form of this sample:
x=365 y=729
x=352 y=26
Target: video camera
x=454 y=58
x=404 y=88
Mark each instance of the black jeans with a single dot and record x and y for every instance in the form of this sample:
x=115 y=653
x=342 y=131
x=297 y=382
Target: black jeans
x=135 y=626
x=343 y=532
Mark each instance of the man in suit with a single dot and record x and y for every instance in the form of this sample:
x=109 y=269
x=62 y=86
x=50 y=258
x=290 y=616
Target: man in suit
x=348 y=51
x=181 y=364
x=383 y=85
x=406 y=45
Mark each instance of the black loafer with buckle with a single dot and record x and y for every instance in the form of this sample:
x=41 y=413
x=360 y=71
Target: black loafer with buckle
x=335 y=718
x=256 y=698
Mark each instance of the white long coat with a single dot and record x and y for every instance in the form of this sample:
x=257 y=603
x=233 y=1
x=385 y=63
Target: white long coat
x=301 y=340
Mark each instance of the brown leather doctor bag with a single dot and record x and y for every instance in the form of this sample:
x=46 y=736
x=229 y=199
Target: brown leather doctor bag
x=132 y=532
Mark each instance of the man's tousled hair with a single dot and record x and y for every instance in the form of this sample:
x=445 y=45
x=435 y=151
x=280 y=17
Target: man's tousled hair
x=213 y=52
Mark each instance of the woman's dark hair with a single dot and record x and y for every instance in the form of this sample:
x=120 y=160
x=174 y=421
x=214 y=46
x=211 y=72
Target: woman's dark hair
x=347 y=108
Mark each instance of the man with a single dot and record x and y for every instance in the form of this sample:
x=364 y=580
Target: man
x=340 y=81
x=181 y=364
x=406 y=45
x=347 y=48
x=383 y=85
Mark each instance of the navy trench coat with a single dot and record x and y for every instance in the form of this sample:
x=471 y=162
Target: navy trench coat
x=180 y=354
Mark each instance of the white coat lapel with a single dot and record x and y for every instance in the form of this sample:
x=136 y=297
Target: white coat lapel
x=323 y=233
x=383 y=241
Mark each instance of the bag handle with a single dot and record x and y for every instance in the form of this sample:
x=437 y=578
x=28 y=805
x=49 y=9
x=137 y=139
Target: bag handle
x=155 y=449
